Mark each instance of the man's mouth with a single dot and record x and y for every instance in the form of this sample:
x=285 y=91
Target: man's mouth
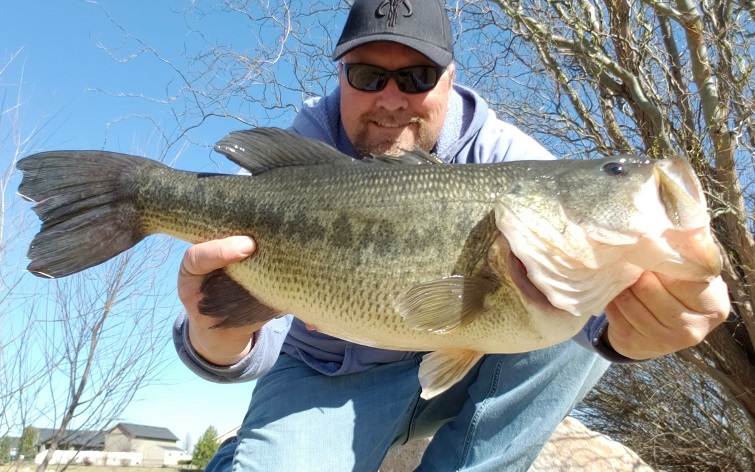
x=391 y=125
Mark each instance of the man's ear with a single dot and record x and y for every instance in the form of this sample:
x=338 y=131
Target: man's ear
x=451 y=69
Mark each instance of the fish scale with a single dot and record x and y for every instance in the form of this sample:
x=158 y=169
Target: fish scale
x=457 y=260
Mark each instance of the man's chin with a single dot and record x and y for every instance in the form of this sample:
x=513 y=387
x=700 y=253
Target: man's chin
x=374 y=140
x=398 y=150
x=393 y=147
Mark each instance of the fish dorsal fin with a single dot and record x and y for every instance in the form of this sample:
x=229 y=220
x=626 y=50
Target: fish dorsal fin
x=415 y=157
x=444 y=304
x=261 y=149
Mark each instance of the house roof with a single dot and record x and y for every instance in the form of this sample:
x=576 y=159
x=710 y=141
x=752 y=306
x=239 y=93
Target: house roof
x=146 y=432
x=75 y=438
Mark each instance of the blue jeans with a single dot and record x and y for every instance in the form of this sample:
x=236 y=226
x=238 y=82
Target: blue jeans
x=496 y=419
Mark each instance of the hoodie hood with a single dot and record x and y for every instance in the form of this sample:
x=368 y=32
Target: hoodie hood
x=320 y=119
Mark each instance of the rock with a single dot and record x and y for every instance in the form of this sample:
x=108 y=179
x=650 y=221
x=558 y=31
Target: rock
x=572 y=447
x=404 y=458
x=575 y=447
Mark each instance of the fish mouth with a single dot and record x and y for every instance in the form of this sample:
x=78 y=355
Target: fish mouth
x=692 y=252
x=681 y=194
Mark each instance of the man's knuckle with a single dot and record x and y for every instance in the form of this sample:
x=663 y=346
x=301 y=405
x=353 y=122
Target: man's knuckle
x=690 y=337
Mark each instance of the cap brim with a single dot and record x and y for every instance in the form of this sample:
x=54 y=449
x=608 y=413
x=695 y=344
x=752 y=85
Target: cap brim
x=438 y=55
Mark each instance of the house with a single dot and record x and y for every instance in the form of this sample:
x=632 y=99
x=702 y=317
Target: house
x=124 y=444
x=175 y=456
x=70 y=441
x=77 y=440
x=154 y=443
x=13 y=447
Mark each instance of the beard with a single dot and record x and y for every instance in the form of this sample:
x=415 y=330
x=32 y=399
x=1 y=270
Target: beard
x=395 y=136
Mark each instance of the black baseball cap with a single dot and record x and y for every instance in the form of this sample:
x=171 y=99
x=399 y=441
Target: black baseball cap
x=419 y=24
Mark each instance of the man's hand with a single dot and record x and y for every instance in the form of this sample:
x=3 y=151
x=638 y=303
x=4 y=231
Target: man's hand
x=659 y=315
x=224 y=346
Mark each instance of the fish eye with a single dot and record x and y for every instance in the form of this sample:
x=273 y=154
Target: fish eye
x=614 y=169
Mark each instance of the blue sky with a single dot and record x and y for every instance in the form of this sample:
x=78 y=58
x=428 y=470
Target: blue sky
x=77 y=96
x=72 y=55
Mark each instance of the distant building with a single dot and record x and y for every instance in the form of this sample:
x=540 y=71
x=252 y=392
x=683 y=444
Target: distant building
x=71 y=440
x=154 y=443
x=124 y=444
x=14 y=447
x=175 y=455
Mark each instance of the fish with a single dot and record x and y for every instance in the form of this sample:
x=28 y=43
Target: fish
x=403 y=253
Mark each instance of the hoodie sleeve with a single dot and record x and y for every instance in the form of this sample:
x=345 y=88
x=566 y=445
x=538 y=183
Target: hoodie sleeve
x=267 y=345
x=591 y=337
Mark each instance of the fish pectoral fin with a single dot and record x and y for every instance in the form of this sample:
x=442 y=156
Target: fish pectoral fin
x=444 y=304
x=439 y=370
x=223 y=297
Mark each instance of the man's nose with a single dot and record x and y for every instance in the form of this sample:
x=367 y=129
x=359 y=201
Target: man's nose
x=391 y=98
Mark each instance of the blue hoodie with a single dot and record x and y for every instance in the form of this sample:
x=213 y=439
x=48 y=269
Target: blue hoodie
x=471 y=134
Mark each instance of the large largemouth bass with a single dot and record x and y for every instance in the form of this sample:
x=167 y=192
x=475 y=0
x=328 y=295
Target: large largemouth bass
x=461 y=260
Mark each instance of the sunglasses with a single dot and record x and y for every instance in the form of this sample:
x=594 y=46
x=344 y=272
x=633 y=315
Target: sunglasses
x=415 y=79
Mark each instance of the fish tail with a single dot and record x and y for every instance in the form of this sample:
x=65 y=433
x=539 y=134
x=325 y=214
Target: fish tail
x=86 y=203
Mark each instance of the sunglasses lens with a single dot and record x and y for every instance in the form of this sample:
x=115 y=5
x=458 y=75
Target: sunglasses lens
x=417 y=79
x=367 y=78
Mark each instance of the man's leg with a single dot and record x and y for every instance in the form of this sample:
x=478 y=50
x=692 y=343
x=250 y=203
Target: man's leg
x=301 y=420
x=510 y=408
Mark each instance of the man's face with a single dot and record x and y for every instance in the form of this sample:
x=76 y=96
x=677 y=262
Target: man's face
x=391 y=121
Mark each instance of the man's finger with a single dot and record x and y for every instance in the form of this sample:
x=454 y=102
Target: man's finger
x=203 y=258
x=702 y=297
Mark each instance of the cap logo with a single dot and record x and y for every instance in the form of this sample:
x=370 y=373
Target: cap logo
x=393 y=7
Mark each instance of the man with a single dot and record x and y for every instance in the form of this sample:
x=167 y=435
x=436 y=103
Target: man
x=330 y=405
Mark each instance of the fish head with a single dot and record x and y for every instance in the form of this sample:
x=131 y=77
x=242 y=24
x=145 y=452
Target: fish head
x=584 y=231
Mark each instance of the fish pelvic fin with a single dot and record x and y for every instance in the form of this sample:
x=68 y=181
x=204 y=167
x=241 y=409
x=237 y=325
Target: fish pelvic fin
x=231 y=303
x=441 y=369
x=85 y=201
x=444 y=304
